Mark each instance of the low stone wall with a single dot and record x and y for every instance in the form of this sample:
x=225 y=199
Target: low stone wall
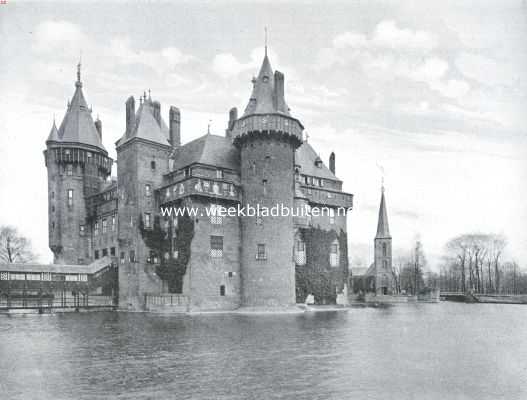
x=166 y=303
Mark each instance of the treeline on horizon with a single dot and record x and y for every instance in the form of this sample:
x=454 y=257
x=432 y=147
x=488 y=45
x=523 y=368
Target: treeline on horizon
x=472 y=262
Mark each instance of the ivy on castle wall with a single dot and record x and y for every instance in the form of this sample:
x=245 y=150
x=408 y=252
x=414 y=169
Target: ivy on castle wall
x=171 y=270
x=317 y=276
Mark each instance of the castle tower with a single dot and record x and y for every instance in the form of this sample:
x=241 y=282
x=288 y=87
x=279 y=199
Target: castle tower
x=383 y=252
x=267 y=137
x=77 y=165
x=142 y=160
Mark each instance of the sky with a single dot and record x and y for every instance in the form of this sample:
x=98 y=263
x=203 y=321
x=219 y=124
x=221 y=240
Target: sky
x=432 y=93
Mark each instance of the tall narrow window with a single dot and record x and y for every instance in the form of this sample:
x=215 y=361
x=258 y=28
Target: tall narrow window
x=96 y=255
x=81 y=230
x=148 y=190
x=148 y=223
x=187 y=172
x=153 y=165
x=300 y=251
x=70 y=198
x=96 y=228
x=132 y=256
x=385 y=264
x=121 y=258
x=334 y=254
x=112 y=251
x=222 y=290
x=264 y=184
x=219 y=174
x=104 y=225
x=69 y=169
x=113 y=222
x=216 y=246
x=104 y=252
x=260 y=252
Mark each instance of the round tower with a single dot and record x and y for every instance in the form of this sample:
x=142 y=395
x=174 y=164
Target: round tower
x=77 y=165
x=267 y=137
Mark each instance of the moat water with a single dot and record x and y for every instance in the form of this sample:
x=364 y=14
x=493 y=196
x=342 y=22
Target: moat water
x=420 y=351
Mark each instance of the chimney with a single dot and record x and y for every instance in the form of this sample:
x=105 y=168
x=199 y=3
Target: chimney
x=279 y=91
x=174 y=117
x=98 y=126
x=130 y=115
x=157 y=111
x=233 y=116
x=332 y=162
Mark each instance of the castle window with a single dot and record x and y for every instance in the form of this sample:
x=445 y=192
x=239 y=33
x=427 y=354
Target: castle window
x=147 y=220
x=219 y=174
x=70 y=198
x=52 y=195
x=113 y=222
x=167 y=193
x=69 y=169
x=96 y=254
x=112 y=251
x=132 y=256
x=222 y=290
x=215 y=217
x=121 y=258
x=385 y=264
x=96 y=228
x=153 y=165
x=131 y=220
x=187 y=172
x=334 y=254
x=104 y=252
x=104 y=225
x=216 y=246
x=264 y=184
x=331 y=216
x=300 y=252
x=384 y=249
x=260 y=252
x=148 y=190
x=81 y=230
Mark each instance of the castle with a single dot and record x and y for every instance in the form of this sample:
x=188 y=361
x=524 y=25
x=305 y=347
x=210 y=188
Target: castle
x=213 y=262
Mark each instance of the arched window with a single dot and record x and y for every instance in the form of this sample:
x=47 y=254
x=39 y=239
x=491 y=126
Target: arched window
x=384 y=249
x=300 y=251
x=334 y=254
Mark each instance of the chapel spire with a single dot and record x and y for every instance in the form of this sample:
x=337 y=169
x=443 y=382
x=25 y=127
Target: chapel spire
x=383 y=230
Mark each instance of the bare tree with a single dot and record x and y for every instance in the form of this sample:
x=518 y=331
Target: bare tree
x=14 y=248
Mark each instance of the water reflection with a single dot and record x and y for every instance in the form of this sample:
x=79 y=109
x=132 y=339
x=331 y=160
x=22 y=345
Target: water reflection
x=446 y=350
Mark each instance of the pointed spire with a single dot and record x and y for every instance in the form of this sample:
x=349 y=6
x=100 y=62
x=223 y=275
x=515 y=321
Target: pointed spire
x=383 y=230
x=53 y=133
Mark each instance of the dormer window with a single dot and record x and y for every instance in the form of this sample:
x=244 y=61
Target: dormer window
x=318 y=162
x=265 y=79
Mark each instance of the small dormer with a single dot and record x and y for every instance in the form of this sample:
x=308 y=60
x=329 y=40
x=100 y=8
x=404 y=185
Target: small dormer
x=318 y=162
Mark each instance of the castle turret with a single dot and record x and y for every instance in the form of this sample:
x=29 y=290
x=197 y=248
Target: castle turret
x=383 y=252
x=142 y=154
x=267 y=136
x=77 y=164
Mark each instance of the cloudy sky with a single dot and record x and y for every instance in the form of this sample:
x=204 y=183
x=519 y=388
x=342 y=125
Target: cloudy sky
x=434 y=92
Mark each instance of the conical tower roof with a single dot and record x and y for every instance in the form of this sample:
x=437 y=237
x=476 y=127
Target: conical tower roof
x=383 y=230
x=263 y=98
x=54 y=133
x=77 y=125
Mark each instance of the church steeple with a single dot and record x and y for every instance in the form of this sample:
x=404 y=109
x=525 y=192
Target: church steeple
x=383 y=230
